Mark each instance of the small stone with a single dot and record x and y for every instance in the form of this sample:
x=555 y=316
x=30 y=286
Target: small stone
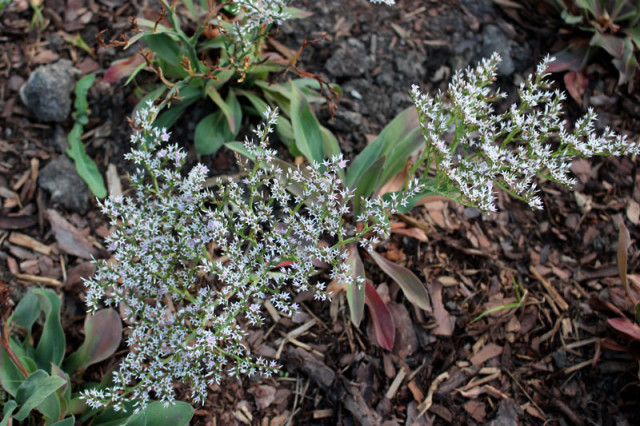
x=47 y=92
x=346 y=121
x=494 y=40
x=60 y=180
x=350 y=60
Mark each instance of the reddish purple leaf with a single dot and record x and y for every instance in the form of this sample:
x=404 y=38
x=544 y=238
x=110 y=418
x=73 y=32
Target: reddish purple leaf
x=572 y=59
x=624 y=325
x=576 y=84
x=122 y=68
x=381 y=317
x=103 y=333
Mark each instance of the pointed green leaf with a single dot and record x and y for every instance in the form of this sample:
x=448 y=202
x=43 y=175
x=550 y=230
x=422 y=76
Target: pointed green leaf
x=9 y=408
x=34 y=390
x=355 y=293
x=178 y=414
x=69 y=421
x=367 y=183
x=229 y=107
x=306 y=128
x=211 y=133
x=165 y=47
x=411 y=286
x=27 y=311
x=51 y=346
x=401 y=128
x=10 y=376
x=103 y=332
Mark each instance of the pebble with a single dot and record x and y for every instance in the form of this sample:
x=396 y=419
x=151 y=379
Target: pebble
x=60 y=180
x=47 y=93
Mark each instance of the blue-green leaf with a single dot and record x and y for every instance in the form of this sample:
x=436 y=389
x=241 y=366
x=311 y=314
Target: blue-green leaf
x=9 y=408
x=51 y=346
x=355 y=293
x=34 y=390
x=178 y=414
x=306 y=128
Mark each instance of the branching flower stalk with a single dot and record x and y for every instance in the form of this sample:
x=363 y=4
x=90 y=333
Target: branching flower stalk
x=487 y=150
x=189 y=262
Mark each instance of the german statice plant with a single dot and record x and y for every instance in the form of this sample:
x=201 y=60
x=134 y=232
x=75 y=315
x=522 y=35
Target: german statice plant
x=475 y=149
x=192 y=266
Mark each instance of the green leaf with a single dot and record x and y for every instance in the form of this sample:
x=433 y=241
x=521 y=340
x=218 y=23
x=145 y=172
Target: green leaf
x=165 y=47
x=230 y=107
x=178 y=414
x=399 y=155
x=35 y=389
x=168 y=118
x=355 y=293
x=411 y=286
x=85 y=166
x=331 y=147
x=69 y=421
x=50 y=407
x=211 y=133
x=258 y=103
x=306 y=128
x=10 y=376
x=51 y=346
x=27 y=311
x=81 y=104
x=103 y=332
x=635 y=36
x=367 y=183
x=401 y=128
x=9 y=408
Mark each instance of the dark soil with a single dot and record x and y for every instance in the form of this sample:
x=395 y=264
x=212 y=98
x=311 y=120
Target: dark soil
x=548 y=361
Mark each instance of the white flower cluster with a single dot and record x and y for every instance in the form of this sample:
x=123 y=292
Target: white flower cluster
x=506 y=150
x=256 y=16
x=387 y=2
x=190 y=263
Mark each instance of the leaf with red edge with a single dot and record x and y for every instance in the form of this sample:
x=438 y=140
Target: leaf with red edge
x=408 y=282
x=103 y=333
x=572 y=59
x=626 y=326
x=576 y=84
x=123 y=68
x=381 y=317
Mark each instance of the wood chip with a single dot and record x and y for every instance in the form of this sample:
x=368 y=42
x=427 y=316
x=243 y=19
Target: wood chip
x=39 y=280
x=113 y=181
x=28 y=242
x=395 y=385
x=553 y=293
x=301 y=330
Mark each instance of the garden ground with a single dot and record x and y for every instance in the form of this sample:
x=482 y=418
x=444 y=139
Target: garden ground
x=553 y=358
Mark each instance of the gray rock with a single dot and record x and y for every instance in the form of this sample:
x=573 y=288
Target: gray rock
x=411 y=66
x=60 y=180
x=47 y=92
x=346 y=121
x=494 y=40
x=350 y=60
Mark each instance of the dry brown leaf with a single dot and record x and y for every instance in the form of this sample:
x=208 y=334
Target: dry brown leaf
x=440 y=314
x=70 y=239
x=491 y=350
